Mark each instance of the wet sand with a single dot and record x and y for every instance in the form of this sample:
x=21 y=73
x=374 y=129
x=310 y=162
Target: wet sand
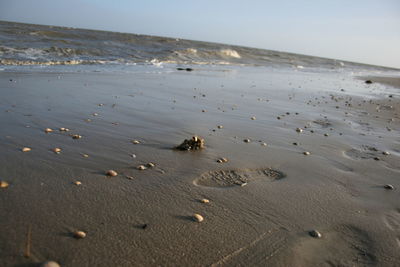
x=262 y=202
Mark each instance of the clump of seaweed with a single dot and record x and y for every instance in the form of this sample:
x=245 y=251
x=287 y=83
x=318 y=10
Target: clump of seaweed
x=195 y=143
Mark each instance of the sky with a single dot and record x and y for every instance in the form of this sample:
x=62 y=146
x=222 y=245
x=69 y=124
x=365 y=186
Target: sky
x=365 y=31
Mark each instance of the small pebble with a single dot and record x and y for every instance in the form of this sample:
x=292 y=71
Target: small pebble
x=26 y=149
x=85 y=155
x=135 y=142
x=48 y=130
x=253 y=118
x=151 y=165
x=3 y=184
x=141 y=167
x=243 y=184
x=377 y=158
x=77 y=183
x=326 y=134
x=299 y=130
x=76 y=136
x=129 y=177
x=198 y=217
x=95 y=114
x=278 y=118
x=49 y=264
x=204 y=200
x=220 y=126
x=306 y=153
x=79 y=234
x=111 y=173
x=315 y=234
x=386 y=153
x=295 y=143
x=247 y=140
x=389 y=186
x=57 y=150
x=64 y=130
x=264 y=144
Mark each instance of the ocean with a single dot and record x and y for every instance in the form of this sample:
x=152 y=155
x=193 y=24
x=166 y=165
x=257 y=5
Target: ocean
x=28 y=45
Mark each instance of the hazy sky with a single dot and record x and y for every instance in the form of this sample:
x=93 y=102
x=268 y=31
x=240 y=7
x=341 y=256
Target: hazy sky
x=366 y=31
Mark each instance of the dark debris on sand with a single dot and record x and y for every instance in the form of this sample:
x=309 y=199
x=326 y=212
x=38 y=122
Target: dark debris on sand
x=195 y=143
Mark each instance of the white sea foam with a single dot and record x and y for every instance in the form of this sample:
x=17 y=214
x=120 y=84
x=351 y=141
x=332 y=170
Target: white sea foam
x=229 y=53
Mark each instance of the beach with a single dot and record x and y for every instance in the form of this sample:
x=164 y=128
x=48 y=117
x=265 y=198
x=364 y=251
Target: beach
x=264 y=198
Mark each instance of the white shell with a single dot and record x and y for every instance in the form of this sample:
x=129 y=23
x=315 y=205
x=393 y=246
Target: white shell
x=26 y=149
x=198 y=217
x=141 y=167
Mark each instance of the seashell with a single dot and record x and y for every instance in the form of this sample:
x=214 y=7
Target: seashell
x=299 y=130
x=3 y=184
x=247 y=140
x=57 y=150
x=49 y=264
x=198 y=218
x=64 y=129
x=141 y=167
x=204 y=200
x=77 y=183
x=388 y=186
x=111 y=173
x=95 y=114
x=48 y=130
x=135 y=142
x=220 y=126
x=26 y=149
x=386 y=153
x=264 y=144
x=76 y=136
x=151 y=165
x=253 y=118
x=85 y=155
x=222 y=160
x=315 y=234
x=306 y=153
x=79 y=234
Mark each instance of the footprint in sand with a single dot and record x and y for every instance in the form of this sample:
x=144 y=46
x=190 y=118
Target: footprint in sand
x=366 y=152
x=229 y=178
